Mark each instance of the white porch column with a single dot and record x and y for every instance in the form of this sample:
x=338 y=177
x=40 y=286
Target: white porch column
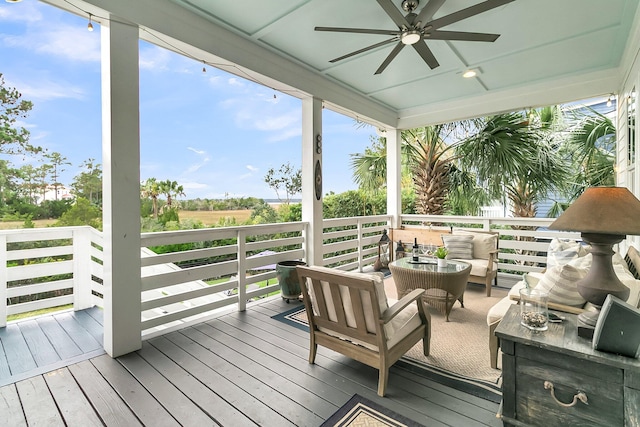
x=312 y=177
x=394 y=176
x=121 y=188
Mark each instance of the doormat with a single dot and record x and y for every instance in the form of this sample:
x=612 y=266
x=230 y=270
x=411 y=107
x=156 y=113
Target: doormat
x=359 y=411
x=417 y=364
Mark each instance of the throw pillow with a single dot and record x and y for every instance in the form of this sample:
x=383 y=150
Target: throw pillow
x=561 y=282
x=561 y=251
x=632 y=260
x=483 y=243
x=459 y=247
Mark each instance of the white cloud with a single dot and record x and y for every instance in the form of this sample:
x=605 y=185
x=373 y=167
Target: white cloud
x=204 y=159
x=26 y=12
x=260 y=112
x=252 y=168
x=154 y=58
x=69 y=42
x=234 y=81
x=194 y=186
x=44 y=89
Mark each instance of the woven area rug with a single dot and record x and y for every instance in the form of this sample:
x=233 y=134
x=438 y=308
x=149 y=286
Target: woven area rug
x=359 y=411
x=459 y=356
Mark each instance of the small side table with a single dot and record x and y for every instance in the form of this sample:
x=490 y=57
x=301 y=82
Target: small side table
x=444 y=285
x=555 y=378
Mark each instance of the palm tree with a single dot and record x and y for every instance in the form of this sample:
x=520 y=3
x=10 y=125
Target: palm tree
x=591 y=147
x=170 y=189
x=431 y=160
x=151 y=189
x=514 y=156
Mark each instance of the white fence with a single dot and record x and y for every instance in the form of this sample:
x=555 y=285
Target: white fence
x=49 y=267
x=208 y=269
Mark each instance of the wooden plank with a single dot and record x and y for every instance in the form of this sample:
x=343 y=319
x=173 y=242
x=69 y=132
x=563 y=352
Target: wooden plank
x=181 y=408
x=269 y=388
x=309 y=391
x=251 y=407
x=38 y=404
x=41 y=349
x=97 y=313
x=110 y=407
x=77 y=332
x=17 y=351
x=72 y=403
x=10 y=407
x=5 y=372
x=90 y=324
x=247 y=396
x=215 y=407
x=146 y=408
x=58 y=337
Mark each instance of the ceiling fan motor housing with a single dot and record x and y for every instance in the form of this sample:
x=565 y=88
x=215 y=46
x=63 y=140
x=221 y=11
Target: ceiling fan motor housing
x=410 y=5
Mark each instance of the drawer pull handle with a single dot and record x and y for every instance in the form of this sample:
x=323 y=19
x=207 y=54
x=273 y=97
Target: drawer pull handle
x=581 y=396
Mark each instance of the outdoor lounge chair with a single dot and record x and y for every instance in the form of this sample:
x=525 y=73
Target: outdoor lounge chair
x=349 y=313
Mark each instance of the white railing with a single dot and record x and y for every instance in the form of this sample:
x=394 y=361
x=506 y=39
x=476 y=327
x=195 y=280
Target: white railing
x=523 y=241
x=49 y=267
x=208 y=269
x=216 y=271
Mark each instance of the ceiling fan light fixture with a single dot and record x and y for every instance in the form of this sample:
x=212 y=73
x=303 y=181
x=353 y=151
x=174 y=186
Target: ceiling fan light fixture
x=410 y=37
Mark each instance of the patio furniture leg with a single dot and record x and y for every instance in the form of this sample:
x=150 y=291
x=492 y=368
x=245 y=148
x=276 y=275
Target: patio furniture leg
x=493 y=345
x=382 y=380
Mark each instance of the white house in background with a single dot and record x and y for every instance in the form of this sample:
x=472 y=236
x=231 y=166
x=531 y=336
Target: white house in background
x=63 y=193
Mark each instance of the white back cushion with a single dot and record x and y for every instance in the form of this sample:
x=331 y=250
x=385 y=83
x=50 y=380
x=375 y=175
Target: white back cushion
x=483 y=243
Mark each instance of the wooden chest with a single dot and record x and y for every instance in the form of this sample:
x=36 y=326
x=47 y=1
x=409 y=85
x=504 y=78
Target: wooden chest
x=556 y=378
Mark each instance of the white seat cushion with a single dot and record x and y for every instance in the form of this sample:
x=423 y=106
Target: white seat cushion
x=402 y=325
x=478 y=266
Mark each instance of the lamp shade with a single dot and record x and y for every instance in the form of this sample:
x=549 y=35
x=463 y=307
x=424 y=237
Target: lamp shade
x=602 y=210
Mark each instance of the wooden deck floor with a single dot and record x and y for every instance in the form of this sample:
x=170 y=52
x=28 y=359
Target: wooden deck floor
x=240 y=369
x=40 y=345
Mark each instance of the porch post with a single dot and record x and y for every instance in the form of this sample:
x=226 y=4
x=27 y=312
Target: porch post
x=394 y=176
x=121 y=188
x=312 y=178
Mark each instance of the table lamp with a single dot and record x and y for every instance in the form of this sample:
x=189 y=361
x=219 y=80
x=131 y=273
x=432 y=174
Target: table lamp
x=604 y=216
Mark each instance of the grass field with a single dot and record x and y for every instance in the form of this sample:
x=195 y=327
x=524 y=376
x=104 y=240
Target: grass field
x=212 y=217
x=12 y=225
x=206 y=217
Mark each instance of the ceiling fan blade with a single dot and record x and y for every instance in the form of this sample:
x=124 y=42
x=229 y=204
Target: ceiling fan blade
x=426 y=54
x=461 y=35
x=394 y=13
x=364 y=49
x=359 y=30
x=467 y=13
x=427 y=12
x=396 y=50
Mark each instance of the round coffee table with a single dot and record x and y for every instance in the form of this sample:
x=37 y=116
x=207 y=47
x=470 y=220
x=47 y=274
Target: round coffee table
x=443 y=285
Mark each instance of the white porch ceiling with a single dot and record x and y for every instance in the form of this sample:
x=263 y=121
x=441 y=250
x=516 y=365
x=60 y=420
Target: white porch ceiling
x=542 y=42
x=549 y=51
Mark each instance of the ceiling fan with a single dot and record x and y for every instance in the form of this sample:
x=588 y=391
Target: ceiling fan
x=414 y=29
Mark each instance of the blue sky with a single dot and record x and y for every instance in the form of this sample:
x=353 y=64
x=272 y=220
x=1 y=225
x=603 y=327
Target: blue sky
x=214 y=133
